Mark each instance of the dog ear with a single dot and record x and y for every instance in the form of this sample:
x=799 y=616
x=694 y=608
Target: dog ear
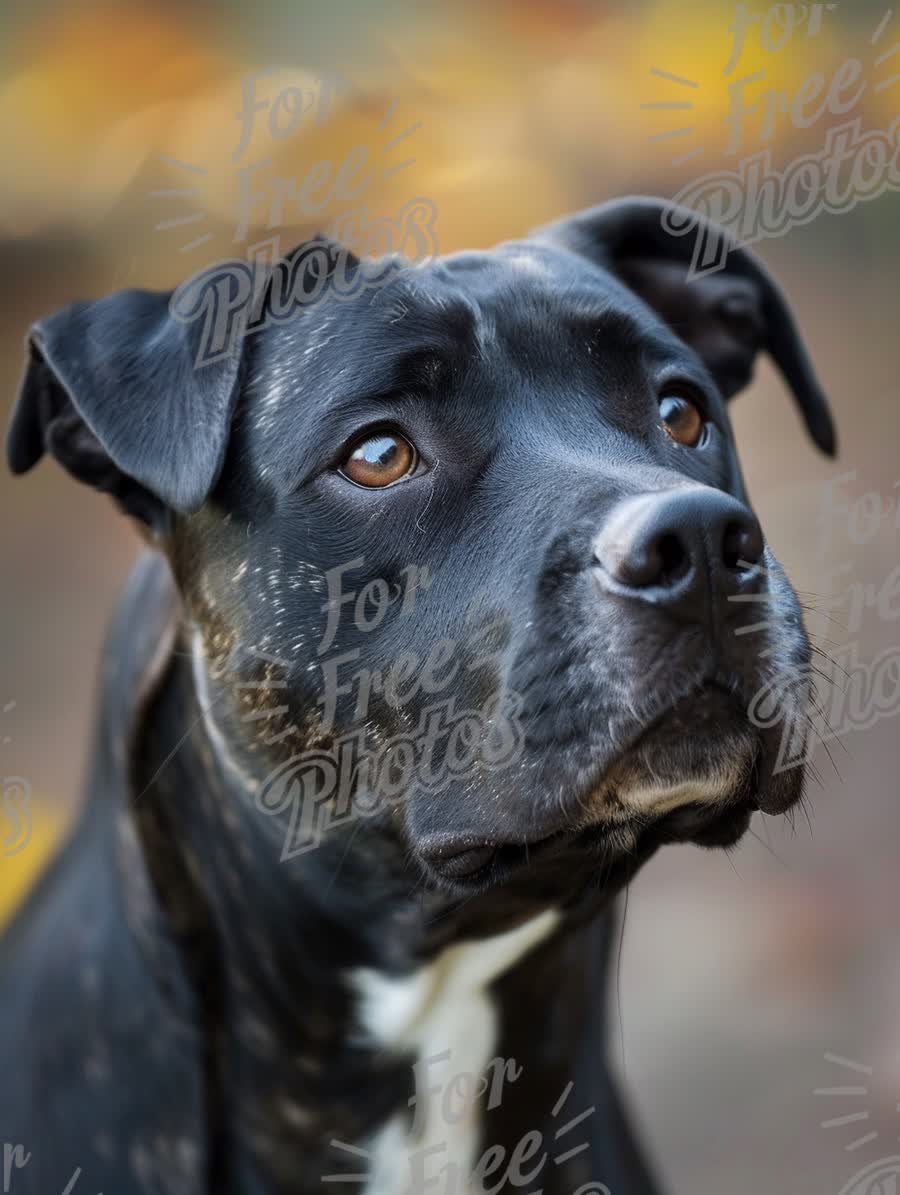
x=727 y=314
x=113 y=390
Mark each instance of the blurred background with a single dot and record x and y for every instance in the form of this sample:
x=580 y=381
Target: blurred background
x=746 y=982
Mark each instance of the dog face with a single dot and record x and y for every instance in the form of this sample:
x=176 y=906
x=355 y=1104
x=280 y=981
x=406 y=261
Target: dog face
x=470 y=556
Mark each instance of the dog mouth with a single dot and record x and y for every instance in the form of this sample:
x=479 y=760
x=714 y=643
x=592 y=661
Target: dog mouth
x=481 y=865
x=696 y=774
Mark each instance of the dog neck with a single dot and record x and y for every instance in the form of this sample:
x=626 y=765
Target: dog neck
x=324 y=980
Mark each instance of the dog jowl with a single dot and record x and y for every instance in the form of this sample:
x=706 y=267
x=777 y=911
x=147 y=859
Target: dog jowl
x=536 y=436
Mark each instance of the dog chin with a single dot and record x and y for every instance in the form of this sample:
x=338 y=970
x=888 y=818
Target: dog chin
x=696 y=775
x=669 y=768
x=703 y=788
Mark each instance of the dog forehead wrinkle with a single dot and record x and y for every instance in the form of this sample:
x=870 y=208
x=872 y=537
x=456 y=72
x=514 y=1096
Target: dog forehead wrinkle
x=378 y=358
x=587 y=284
x=534 y=301
x=434 y=307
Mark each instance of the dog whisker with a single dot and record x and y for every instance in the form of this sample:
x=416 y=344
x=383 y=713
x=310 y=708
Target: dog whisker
x=752 y=628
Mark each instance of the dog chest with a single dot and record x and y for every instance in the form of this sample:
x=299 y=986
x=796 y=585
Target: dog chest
x=445 y=1015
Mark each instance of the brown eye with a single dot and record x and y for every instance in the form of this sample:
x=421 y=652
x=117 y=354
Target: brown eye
x=379 y=461
x=681 y=419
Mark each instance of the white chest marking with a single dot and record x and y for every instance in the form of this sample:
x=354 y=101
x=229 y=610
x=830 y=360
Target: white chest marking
x=445 y=1015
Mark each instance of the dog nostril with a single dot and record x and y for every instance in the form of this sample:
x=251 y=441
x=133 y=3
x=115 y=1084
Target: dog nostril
x=742 y=545
x=673 y=559
x=657 y=560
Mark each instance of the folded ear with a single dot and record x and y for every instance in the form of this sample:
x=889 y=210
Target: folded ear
x=113 y=391
x=727 y=316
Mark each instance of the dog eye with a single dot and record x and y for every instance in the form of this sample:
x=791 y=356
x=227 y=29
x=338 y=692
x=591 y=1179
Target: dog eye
x=379 y=460
x=682 y=419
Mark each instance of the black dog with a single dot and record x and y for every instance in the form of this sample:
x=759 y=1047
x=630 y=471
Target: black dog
x=437 y=648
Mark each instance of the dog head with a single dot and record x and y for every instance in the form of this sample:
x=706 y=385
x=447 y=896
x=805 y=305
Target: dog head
x=469 y=557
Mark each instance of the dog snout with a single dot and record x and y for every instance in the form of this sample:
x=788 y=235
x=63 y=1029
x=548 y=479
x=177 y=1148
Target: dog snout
x=687 y=550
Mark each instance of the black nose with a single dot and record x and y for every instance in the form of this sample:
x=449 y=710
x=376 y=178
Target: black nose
x=687 y=549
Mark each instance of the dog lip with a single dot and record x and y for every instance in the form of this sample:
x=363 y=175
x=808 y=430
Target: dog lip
x=721 y=827
x=458 y=858
x=457 y=861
